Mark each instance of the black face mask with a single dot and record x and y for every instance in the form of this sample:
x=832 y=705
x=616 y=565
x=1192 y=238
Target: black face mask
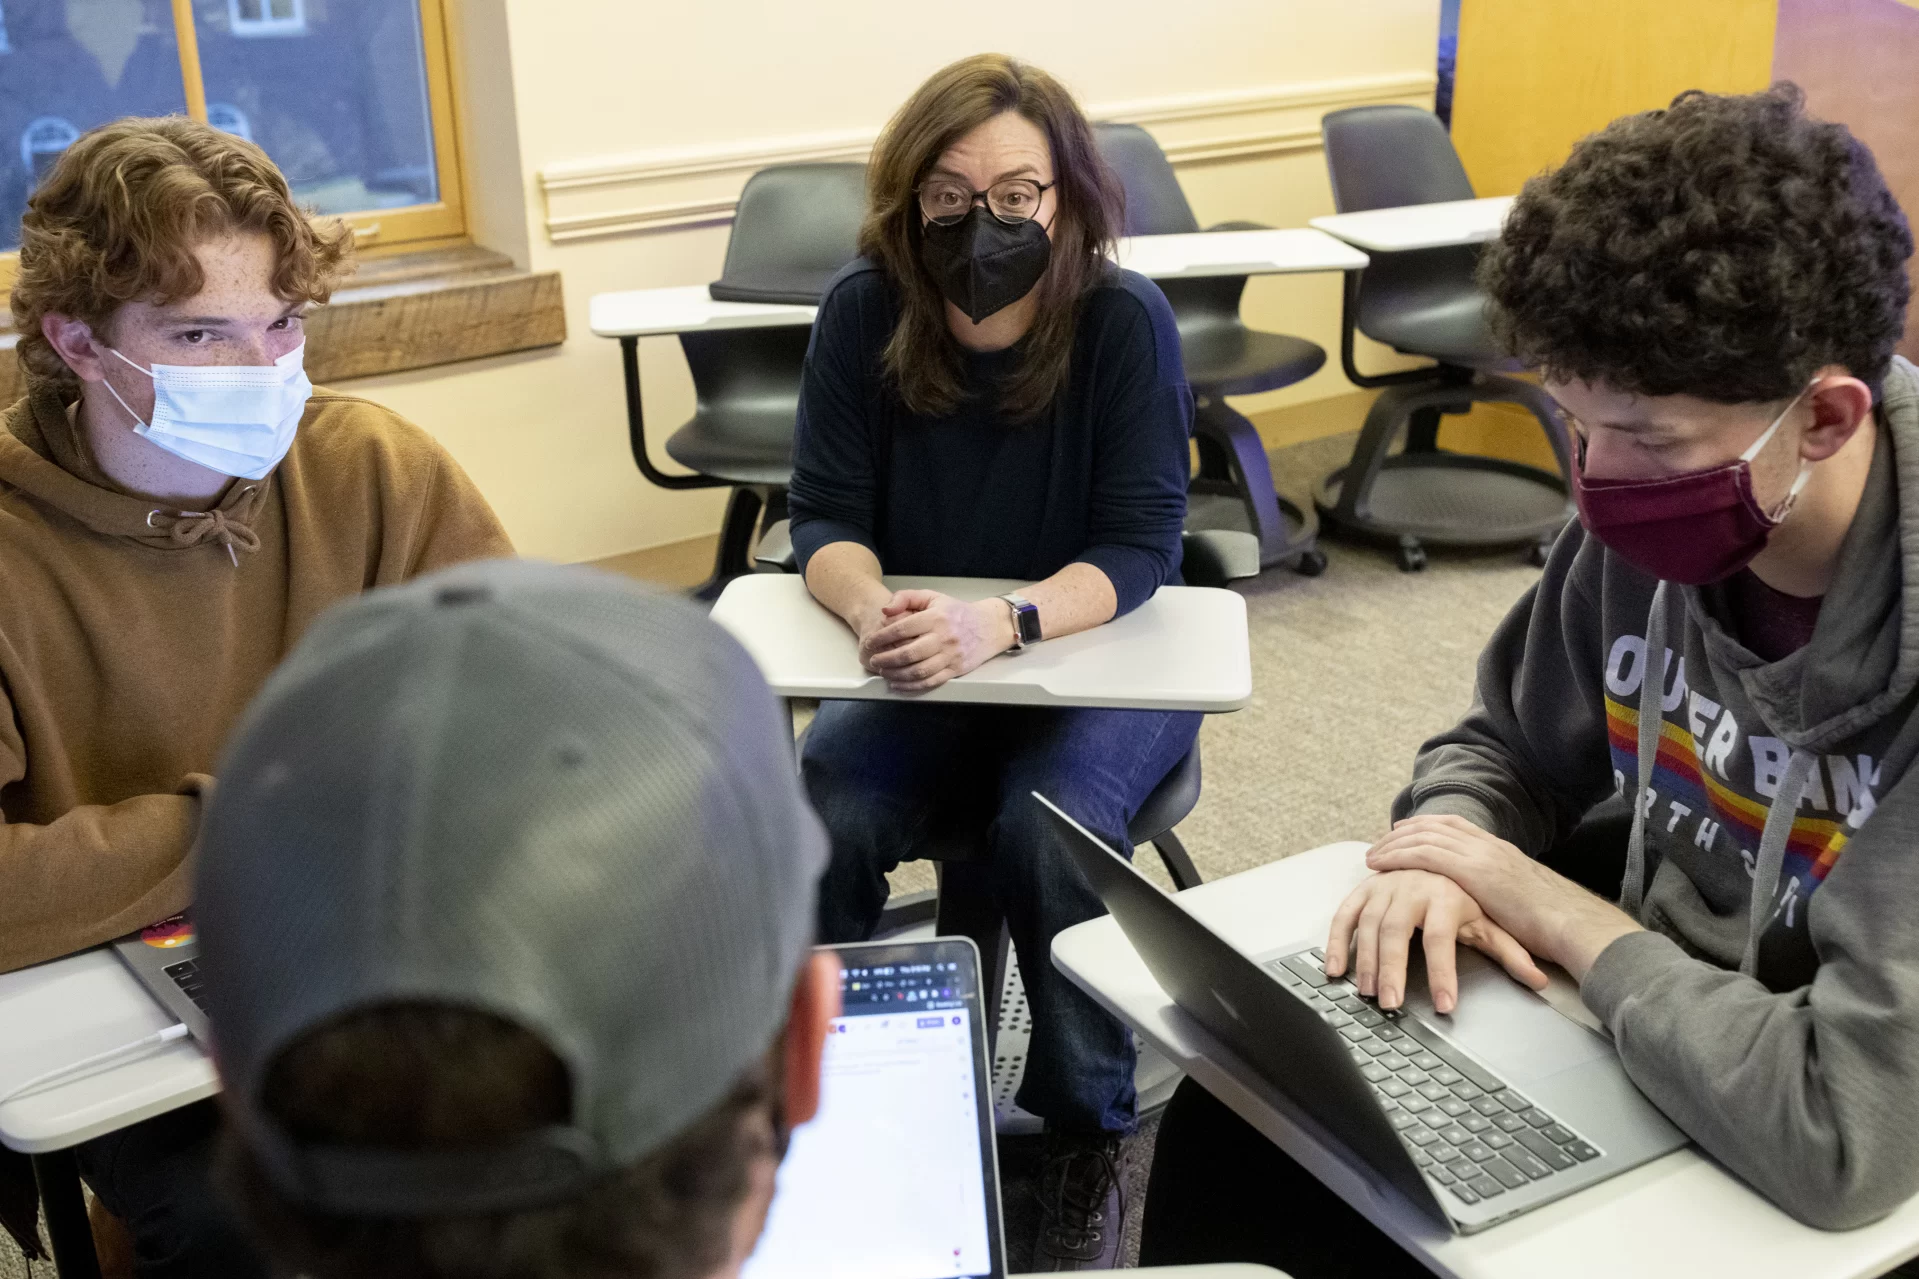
x=983 y=265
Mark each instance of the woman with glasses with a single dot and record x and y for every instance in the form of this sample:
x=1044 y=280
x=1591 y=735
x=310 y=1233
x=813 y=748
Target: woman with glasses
x=987 y=395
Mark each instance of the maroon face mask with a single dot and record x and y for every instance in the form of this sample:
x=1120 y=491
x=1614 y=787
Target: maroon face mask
x=1695 y=528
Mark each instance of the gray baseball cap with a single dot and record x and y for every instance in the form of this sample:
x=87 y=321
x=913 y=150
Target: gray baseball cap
x=543 y=793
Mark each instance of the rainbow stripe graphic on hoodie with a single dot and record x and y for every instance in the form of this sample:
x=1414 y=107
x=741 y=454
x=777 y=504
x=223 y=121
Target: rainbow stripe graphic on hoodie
x=1812 y=847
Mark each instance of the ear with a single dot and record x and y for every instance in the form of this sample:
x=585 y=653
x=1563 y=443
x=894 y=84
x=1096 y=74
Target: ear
x=816 y=1002
x=73 y=341
x=1841 y=404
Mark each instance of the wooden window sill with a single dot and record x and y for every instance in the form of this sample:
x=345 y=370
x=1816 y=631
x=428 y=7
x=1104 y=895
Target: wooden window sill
x=409 y=311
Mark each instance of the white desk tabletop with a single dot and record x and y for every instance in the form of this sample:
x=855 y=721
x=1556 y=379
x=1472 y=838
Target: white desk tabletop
x=66 y=1011
x=1420 y=226
x=1184 y=649
x=1679 y=1215
x=1208 y=253
x=686 y=308
x=689 y=308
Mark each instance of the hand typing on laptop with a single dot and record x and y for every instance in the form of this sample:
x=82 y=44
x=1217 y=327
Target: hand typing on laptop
x=1456 y=883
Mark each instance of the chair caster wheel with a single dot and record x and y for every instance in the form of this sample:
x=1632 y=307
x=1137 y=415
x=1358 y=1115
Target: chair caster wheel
x=1538 y=555
x=1310 y=563
x=1412 y=556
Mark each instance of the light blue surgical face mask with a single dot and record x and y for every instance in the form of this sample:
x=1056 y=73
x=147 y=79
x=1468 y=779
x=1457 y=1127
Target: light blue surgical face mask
x=238 y=420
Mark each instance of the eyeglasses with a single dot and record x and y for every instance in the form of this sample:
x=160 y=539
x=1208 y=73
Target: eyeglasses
x=1011 y=200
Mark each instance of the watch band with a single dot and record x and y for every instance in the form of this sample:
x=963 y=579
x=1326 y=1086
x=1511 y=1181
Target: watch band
x=1026 y=630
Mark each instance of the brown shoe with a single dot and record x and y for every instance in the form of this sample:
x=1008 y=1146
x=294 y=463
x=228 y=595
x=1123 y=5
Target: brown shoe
x=1082 y=1188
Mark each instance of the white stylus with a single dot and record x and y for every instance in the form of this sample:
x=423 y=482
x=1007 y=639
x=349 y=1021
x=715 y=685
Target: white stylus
x=176 y=1031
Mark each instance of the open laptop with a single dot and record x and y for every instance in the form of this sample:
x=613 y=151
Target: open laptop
x=1476 y=1117
x=897 y=1176
x=165 y=957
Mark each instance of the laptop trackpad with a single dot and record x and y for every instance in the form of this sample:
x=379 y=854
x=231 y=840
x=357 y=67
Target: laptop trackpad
x=1505 y=1025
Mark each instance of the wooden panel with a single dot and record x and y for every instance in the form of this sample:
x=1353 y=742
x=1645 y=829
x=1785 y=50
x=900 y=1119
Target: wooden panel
x=1534 y=77
x=1855 y=60
x=417 y=324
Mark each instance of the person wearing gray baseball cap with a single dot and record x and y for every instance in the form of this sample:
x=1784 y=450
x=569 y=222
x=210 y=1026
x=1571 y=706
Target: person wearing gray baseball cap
x=505 y=905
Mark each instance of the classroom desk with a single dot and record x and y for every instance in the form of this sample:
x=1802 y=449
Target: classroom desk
x=1200 y=254
x=1679 y=1215
x=1184 y=649
x=66 y=1011
x=1420 y=226
x=642 y=313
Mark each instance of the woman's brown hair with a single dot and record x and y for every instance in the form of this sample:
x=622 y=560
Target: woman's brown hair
x=921 y=359
x=124 y=208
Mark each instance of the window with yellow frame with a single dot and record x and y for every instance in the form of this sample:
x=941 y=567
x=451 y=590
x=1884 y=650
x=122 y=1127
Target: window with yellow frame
x=349 y=97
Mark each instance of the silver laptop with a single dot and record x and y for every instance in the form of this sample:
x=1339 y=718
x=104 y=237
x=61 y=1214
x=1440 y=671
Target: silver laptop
x=1475 y=1117
x=897 y=1176
x=166 y=959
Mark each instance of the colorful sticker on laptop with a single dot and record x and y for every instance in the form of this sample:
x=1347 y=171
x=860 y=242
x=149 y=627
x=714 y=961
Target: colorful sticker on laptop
x=168 y=934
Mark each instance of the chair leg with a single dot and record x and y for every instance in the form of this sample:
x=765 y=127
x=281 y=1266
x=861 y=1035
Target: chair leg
x=1178 y=862
x=775 y=498
x=734 y=558
x=1422 y=431
x=58 y=1176
x=1369 y=451
x=1226 y=436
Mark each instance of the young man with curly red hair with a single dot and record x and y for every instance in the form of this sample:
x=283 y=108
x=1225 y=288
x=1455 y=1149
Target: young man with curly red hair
x=177 y=503
x=1725 y=647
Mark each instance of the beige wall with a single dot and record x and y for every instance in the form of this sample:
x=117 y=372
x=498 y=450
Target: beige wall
x=625 y=129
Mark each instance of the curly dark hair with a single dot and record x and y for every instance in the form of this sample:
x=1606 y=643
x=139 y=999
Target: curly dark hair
x=1725 y=248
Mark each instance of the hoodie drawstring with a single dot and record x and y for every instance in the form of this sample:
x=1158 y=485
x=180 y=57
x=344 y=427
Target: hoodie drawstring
x=1779 y=815
x=1772 y=853
x=190 y=528
x=1652 y=717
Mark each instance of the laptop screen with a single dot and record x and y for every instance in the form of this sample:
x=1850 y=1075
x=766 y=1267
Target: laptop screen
x=895 y=1177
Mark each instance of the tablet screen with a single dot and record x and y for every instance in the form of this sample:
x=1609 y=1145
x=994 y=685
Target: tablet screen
x=893 y=1178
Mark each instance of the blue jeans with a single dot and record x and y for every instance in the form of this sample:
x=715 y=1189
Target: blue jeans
x=878 y=772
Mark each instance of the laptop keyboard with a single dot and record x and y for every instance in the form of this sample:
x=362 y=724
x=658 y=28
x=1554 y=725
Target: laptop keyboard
x=186 y=975
x=1471 y=1135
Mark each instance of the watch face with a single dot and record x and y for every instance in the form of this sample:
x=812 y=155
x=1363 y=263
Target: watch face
x=1029 y=624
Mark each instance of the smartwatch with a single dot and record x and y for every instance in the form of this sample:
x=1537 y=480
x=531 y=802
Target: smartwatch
x=1025 y=621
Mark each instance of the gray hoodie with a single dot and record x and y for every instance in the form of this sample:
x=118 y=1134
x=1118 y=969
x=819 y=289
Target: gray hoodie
x=1772 y=1009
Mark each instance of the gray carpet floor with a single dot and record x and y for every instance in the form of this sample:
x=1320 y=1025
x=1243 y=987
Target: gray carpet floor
x=1351 y=671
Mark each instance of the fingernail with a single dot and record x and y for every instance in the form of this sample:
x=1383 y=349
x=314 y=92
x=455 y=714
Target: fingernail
x=1388 y=997
x=1365 y=985
x=1443 y=1002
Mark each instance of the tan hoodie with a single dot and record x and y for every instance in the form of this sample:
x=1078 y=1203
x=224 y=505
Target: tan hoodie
x=132 y=636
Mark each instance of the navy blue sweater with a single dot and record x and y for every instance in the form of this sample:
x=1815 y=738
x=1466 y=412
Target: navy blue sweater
x=1100 y=478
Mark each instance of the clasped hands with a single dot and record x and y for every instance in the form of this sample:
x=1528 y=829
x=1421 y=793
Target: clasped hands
x=1454 y=883
x=918 y=640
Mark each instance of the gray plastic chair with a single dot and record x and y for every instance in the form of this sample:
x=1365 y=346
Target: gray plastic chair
x=1424 y=302
x=796 y=226
x=1223 y=357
